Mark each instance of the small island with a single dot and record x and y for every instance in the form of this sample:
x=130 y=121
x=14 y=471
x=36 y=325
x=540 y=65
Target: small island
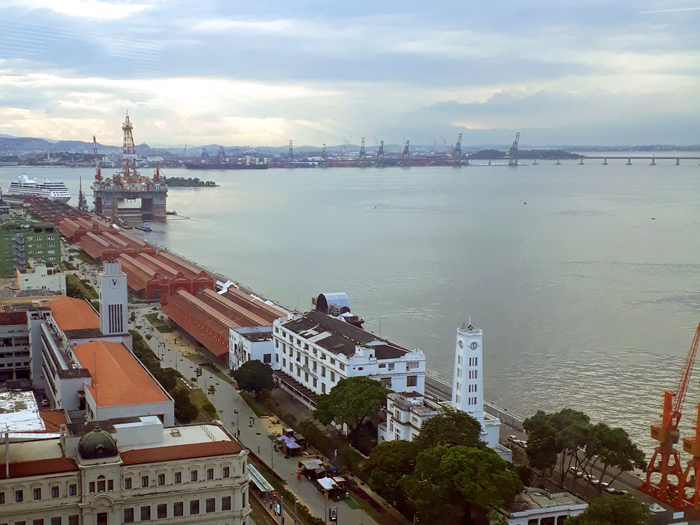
x=190 y=182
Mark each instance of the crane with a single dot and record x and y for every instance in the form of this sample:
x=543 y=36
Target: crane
x=380 y=155
x=363 y=152
x=346 y=143
x=457 y=152
x=98 y=171
x=513 y=152
x=666 y=459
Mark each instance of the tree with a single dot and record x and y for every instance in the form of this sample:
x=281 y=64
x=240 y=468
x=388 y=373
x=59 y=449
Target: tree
x=387 y=464
x=451 y=427
x=613 y=510
x=614 y=448
x=254 y=376
x=459 y=476
x=351 y=401
x=185 y=410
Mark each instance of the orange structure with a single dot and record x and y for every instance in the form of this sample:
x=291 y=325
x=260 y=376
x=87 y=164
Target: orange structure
x=666 y=459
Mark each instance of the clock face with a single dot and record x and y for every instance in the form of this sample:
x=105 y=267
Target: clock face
x=114 y=283
x=474 y=345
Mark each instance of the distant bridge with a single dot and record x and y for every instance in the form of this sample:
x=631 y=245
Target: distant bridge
x=630 y=158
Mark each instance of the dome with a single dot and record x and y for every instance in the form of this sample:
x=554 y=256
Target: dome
x=97 y=444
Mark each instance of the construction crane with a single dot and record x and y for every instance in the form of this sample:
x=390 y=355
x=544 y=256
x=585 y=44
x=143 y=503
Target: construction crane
x=346 y=143
x=513 y=152
x=405 y=153
x=666 y=459
x=457 y=151
x=363 y=151
x=98 y=171
x=380 y=155
x=290 y=154
x=221 y=159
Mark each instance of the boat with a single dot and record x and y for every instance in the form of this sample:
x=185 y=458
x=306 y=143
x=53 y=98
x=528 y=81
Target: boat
x=52 y=190
x=171 y=212
x=145 y=227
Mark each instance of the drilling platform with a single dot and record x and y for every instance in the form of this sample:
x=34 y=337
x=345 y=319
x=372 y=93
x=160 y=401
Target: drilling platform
x=113 y=195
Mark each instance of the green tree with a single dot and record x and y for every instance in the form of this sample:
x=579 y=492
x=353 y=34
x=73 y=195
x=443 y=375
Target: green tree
x=542 y=451
x=614 y=448
x=351 y=401
x=185 y=410
x=474 y=479
x=387 y=464
x=617 y=510
x=451 y=427
x=254 y=376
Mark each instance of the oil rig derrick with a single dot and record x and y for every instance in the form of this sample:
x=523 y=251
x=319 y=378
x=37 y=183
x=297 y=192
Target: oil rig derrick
x=324 y=155
x=128 y=185
x=513 y=151
x=363 y=153
x=380 y=155
x=290 y=154
x=221 y=158
x=457 y=152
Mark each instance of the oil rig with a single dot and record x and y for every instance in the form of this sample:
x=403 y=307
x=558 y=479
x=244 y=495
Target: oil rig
x=129 y=186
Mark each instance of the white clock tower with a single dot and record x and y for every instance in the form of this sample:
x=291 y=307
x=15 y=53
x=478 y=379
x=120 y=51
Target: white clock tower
x=113 y=300
x=468 y=381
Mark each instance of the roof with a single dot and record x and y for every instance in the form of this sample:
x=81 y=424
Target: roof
x=19 y=412
x=535 y=499
x=340 y=337
x=73 y=314
x=40 y=467
x=53 y=419
x=117 y=376
x=178 y=452
x=260 y=482
x=11 y=318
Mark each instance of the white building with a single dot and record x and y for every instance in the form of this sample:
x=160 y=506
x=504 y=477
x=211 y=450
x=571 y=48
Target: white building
x=406 y=412
x=535 y=506
x=468 y=383
x=40 y=276
x=315 y=351
x=126 y=471
x=250 y=342
x=113 y=299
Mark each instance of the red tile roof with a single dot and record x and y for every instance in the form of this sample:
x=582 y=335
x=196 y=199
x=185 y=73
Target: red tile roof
x=53 y=419
x=117 y=376
x=73 y=314
x=40 y=467
x=189 y=451
x=10 y=318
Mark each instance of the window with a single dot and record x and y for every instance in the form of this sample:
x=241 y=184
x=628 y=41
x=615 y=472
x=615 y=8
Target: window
x=194 y=506
x=284 y=362
x=193 y=475
x=226 y=503
x=298 y=372
x=314 y=366
x=267 y=358
x=412 y=364
x=145 y=512
x=331 y=361
x=306 y=360
x=459 y=386
x=102 y=518
x=2 y=498
x=210 y=505
x=306 y=377
x=101 y=485
x=74 y=519
x=37 y=494
x=342 y=366
x=323 y=388
x=458 y=399
x=391 y=366
x=386 y=382
x=144 y=481
x=178 y=508
x=561 y=520
x=412 y=381
x=459 y=359
x=178 y=477
x=38 y=522
x=162 y=510
x=333 y=376
x=227 y=472
x=127 y=483
x=110 y=484
x=54 y=491
x=73 y=490
x=56 y=521
x=129 y=515
x=243 y=502
x=161 y=479
x=323 y=371
x=210 y=473
x=243 y=467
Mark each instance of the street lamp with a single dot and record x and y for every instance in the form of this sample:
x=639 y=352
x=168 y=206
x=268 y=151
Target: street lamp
x=238 y=427
x=272 y=454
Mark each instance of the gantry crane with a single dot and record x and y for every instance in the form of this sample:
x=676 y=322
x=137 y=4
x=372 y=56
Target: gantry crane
x=666 y=459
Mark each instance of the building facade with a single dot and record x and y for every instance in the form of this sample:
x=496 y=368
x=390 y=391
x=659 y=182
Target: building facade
x=15 y=354
x=535 y=506
x=180 y=475
x=25 y=241
x=405 y=414
x=250 y=342
x=41 y=277
x=315 y=351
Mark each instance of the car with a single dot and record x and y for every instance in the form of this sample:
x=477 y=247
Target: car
x=523 y=443
x=591 y=479
x=44 y=402
x=622 y=492
x=576 y=472
x=513 y=439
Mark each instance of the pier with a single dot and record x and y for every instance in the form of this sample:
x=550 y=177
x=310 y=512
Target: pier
x=630 y=158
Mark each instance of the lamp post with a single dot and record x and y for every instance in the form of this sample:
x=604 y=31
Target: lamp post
x=295 y=510
x=238 y=426
x=272 y=454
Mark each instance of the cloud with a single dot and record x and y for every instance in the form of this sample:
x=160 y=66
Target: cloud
x=82 y=8
x=676 y=10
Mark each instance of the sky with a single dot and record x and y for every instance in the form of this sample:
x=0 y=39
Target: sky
x=580 y=72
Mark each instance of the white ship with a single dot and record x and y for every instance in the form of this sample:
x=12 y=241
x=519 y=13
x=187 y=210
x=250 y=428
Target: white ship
x=55 y=191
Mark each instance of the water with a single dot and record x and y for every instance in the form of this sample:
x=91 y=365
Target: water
x=585 y=301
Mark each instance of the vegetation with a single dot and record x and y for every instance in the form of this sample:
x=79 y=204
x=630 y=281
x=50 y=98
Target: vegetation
x=190 y=182
x=570 y=434
x=446 y=475
x=185 y=410
x=350 y=402
x=616 y=510
x=254 y=376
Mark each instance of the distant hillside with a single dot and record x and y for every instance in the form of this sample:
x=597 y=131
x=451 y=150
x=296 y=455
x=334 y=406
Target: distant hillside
x=23 y=145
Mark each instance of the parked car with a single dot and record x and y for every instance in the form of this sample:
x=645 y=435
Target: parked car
x=514 y=439
x=576 y=472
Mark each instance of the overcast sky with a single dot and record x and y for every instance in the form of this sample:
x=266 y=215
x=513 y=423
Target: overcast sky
x=584 y=72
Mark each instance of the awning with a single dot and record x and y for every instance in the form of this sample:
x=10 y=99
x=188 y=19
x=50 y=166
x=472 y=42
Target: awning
x=327 y=483
x=311 y=464
x=260 y=482
x=288 y=442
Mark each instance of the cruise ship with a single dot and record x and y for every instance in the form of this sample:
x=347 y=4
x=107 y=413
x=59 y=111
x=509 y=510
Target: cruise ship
x=55 y=191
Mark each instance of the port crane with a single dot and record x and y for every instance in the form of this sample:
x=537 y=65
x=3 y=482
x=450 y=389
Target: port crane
x=380 y=154
x=457 y=152
x=290 y=154
x=98 y=171
x=406 y=154
x=513 y=151
x=666 y=459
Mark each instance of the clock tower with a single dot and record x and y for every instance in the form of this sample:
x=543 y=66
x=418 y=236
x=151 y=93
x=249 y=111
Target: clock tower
x=113 y=300
x=468 y=380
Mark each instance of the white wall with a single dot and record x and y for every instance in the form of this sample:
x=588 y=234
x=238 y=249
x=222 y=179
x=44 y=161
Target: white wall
x=39 y=279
